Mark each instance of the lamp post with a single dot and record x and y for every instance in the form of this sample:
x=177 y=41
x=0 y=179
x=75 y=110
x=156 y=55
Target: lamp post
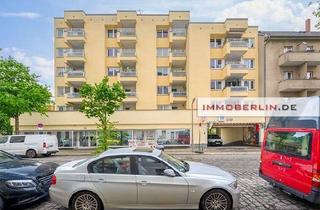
x=192 y=139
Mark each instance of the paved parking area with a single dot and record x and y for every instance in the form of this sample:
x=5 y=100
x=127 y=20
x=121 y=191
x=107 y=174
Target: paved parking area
x=242 y=163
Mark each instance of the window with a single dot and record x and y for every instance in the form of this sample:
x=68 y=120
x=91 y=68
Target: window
x=17 y=139
x=174 y=108
x=251 y=43
x=60 y=32
x=162 y=52
x=249 y=63
x=309 y=75
x=216 y=63
x=290 y=143
x=216 y=85
x=150 y=166
x=3 y=139
x=288 y=75
x=215 y=43
x=163 y=90
x=112 y=165
x=60 y=91
x=309 y=48
x=60 y=52
x=164 y=107
x=287 y=49
x=112 y=71
x=249 y=84
x=112 y=52
x=162 y=71
x=60 y=71
x=61 y=108
x=112 y=33
x=162 y=33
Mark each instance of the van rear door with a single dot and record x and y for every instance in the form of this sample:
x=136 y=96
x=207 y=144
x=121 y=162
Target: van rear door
x=287 y=157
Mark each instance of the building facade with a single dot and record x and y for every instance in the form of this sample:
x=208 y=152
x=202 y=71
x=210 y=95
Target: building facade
x=290 y=63
x=164 y=63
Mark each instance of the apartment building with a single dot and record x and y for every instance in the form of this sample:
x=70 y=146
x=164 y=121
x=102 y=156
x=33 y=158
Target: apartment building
x=290 y=63
x=164 y=62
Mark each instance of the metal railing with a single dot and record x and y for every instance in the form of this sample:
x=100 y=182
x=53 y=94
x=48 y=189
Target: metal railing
x=238 y=43
x=75 y=32
x=73 y=95
x=75 y=73
x=178 y=53
x=179 y=94
x=238 y=66
x=179 y=32
x=128 y=74
x=238 y=88
x=178 y=73
x=131 y=94
x=127 y=32
x=128 y=52
x=74 y=52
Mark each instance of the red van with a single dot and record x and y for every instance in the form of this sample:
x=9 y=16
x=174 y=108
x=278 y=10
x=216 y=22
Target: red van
x=290 y=156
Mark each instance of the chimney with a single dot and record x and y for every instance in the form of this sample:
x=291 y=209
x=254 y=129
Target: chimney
x=307 y=25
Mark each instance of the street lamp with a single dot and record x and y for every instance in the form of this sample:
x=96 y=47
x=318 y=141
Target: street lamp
x=192 y=141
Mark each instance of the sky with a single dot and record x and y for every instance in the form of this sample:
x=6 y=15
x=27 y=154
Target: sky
x=26 y=26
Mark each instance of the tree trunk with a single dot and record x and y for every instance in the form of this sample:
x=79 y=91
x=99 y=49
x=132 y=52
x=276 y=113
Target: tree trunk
x=16 y=124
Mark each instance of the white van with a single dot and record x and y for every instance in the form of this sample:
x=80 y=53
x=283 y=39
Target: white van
x=29 y=145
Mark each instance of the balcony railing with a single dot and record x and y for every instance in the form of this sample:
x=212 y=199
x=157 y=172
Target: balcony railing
x=179 y=94
x=73 y=95
x=131 y=94
x=178 y=53
x=128 y=52
x=178 y=73
x=238 y=66
x=176 y=32
x=75 y=52
x=128 y=74
x=127 y=32
x=75 y=73
x=75 y=32
x=238 y=88
x=238 y=43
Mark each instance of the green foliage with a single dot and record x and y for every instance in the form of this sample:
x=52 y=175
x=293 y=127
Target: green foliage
x=20 y=91
x=101 y=101
x=5 y=127
x=316 y=13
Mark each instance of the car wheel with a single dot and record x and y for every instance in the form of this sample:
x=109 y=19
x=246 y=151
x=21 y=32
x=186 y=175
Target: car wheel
x=216 y=200
x=31 y=153
x=86 y=201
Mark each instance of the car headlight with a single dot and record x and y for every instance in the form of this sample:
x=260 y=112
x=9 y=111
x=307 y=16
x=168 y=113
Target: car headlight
x=234 y=185
x=20 y=183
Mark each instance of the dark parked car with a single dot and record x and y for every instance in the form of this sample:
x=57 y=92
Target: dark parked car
x=23 y=181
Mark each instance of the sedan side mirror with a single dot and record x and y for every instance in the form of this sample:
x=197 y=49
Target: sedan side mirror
x=169 y=173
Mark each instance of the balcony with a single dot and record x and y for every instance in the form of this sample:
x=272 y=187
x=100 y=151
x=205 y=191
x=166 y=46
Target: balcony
x=73 y=97
x=299 y=57
x=127 y=56
x=127 y=77
x=177 y=57
x=75 y=38
x=297 y=85
x=131 y=97
x=235 y=48
x=235 y=91
x=237 y=70
x=126 y=36
x=75 y=77
x=236 y=26
x=178 y=96
x=75 y=56
x=178 y=36
x=178 y=76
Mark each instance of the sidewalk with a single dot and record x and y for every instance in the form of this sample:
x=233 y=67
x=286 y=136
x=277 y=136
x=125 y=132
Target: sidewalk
x=183 y=151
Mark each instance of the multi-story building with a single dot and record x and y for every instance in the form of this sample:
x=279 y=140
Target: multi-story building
x=290 y=63
x=164 y=62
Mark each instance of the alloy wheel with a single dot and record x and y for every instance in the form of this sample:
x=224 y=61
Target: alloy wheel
x=216 y=201
x=86 y=202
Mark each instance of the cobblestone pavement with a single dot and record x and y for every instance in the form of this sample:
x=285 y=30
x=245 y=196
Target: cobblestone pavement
x=255 y=193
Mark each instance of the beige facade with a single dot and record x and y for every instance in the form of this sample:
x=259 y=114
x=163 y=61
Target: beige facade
x=292 y=64
x=164 y=62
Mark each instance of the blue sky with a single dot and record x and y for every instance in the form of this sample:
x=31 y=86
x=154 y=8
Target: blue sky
x=27 y=25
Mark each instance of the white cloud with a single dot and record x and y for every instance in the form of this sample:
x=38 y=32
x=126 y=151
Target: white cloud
x=37 y=64
x=272 y=14
x=29 y=15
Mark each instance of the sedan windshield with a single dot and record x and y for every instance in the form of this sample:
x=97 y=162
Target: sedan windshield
x=6 y=157
x=177 y=164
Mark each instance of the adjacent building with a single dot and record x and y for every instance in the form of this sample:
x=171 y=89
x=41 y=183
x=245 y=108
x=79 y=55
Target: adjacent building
x=164 y=62
x=290 y=63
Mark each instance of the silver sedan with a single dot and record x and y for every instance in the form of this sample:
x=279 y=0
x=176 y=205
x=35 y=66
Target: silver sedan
x=142 y=178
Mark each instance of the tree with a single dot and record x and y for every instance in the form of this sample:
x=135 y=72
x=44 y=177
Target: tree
x=101 y=101
x=5 y=126
x=316 y=13
x=20 y=91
